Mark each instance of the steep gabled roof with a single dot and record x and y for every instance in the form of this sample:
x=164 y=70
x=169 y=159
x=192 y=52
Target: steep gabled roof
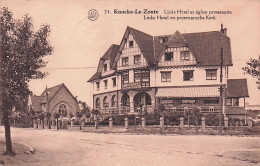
x=95 y=76
x=52 y=91
x=145 y=43
x=36 y=102
x=206 y=47
x=110 y=54
x=177 y=40
x=237 y=88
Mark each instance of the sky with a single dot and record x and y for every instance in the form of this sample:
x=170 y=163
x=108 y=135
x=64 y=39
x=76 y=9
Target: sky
x=79 y=42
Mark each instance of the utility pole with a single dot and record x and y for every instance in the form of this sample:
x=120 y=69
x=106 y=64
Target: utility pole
x=221 y=91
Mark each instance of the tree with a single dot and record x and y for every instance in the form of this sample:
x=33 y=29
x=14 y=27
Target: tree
x=22 y=52
x=79 y=115
x=56 y=115
x=253 y=68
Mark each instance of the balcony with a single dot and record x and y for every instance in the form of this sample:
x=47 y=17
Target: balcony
x=125 y=67
x=135 y=85
x=177 y=63
x=202 y=109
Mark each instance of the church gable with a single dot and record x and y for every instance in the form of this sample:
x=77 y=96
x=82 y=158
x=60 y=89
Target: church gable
x=63 y=96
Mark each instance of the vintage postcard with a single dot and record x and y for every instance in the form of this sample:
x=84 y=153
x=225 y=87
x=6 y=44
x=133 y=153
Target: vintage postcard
x=130 y=82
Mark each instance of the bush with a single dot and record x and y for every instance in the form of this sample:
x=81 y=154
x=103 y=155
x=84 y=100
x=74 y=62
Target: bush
x=212 y=119
x=173 y=118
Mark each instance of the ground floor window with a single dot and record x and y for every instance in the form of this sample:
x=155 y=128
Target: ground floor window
x=125 y=100
x=113 y=101
x=211 y=101
x=97 y=103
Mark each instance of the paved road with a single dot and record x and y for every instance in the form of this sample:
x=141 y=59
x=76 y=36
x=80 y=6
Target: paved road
x=78 y=148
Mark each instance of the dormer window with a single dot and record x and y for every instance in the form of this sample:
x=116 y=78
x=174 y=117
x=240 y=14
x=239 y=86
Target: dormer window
x=168 y=56
x=185 y=55
x=131 y=44
x=125 y=61
x=105 y=67
x=163 y=40
x=137 y=59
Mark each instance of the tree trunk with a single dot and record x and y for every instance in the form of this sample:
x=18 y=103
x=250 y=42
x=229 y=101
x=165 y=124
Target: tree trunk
x=49 y=123
x=196 y=124
x=189 y=120
x=43 y=123
x=8 y=140
x=57 y=123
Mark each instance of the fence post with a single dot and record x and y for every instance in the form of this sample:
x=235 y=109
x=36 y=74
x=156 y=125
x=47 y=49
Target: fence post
x=249 y=122
x=126 y=123
x=181 y=122
x=143 y=122
x=71 y=123
x=203 y=123
x=96 y=123
x=110 y=122
x=162 y=125
x=225 y=122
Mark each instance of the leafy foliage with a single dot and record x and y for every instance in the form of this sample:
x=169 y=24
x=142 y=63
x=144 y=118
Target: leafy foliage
x=253 y=68
x=21 y=52
x=22 y=56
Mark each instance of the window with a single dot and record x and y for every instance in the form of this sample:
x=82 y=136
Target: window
x=125 y=61
x=188 y=75
x=105 y=67
x=105 y=103
x=131 y=44
x=97 y=103
x=232 y=101
x=188 y=102
x=211 y=74
x=113 y=101
x=125 y=77
x=105 y=84
x=163 y=40
x=125 y=100
x=185 y=55
x=168 y=56
x=145 y=75
x=114 y=81
x=63 y=110
x=166 y=76
x=137 y=59
x=98 y=85
x=137 y=76
x=229 y=102
x=211 y=101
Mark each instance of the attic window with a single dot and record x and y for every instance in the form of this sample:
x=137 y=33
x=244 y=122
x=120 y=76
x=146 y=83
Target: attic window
x=168 y=56
x=131 y=44
x=163 y=40
x=125 y=61
x=185 y=55
x=105 y=67
x=137 y=59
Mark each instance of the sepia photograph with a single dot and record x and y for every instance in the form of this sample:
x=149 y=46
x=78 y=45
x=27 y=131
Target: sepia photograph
x=129 y=83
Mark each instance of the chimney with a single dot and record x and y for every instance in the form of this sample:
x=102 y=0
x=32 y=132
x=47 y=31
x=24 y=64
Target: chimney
x=223 y=30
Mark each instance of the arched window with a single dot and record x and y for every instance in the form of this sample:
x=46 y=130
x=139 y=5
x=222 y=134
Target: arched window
x=63 y=110
x=114 y=101
x=105 y=102
x=125 y=99
x=97 y=103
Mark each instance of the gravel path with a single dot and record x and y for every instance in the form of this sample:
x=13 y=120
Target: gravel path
x=78 y=148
